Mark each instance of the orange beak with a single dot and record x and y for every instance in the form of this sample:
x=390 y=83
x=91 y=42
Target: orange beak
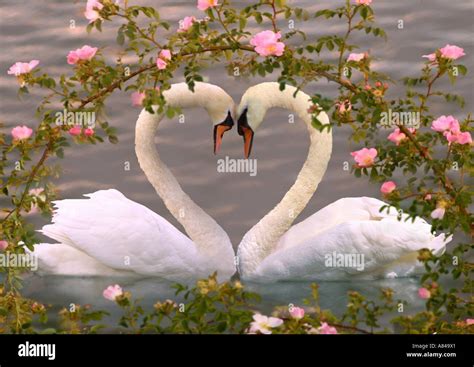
x=248 y=140
x=219 y=131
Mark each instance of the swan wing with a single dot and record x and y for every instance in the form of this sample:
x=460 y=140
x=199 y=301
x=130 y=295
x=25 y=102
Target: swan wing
x=58 y=258
x=389 y=248
x=124 y=235
x=338 y=212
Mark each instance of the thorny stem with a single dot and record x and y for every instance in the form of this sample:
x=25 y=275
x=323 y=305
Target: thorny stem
x=122 y=80
x=14 y=293
x=226 y=29
x=143 y=34
x=344 y=42
x=48 y=149
x=274 y=15
x=445 y=181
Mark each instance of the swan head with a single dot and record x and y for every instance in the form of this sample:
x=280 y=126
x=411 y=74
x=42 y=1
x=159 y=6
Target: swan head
x=217 y=102
x=221 y=109
x=250 y=114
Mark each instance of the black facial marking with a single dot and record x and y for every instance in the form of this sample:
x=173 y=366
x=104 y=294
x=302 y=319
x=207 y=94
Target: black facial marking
x=242 y=122
x=229 y=121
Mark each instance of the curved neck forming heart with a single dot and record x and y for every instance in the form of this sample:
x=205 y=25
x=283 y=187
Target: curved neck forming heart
x=208 y=236
x=262 y=239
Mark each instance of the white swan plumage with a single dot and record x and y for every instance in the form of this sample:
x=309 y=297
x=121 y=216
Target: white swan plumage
x=274 y=250
x=108 y=234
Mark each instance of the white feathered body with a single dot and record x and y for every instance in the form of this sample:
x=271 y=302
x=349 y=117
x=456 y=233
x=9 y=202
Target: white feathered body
x=347 y=227
x=109 y=234
x=274 y=250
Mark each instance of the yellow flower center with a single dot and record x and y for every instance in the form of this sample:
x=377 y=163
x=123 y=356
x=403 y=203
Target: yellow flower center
x=271 y=48
x=368 y=160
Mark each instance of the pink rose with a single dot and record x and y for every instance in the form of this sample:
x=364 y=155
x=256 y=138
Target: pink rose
x=363 y=2
x=430 y=57
x=89 y=132
x=470 y=322
x=3 y=245
x=297 y=312
x=186 y=23
x=266 y=43
x=365 y=157
x=263 y=324
x=450 y=137
x=388 y=187
x=72 y=58
x=327 y=329
x=19 y=68
x=75 y=131
x=206 y=4
x=424 y=293
x=464 y=138
x=165 y=54
x=85 y=53
x=344 y=106
x=137 y=98
x=444 y=123
x=112 y=292
x=396 y=136
x=451 y=130
x=161 y=64
x=438 y=213
x=452 y=52
x=21 y=132
x=92 y=10
x=428 y=197
x=356 y=57
x=458 y=137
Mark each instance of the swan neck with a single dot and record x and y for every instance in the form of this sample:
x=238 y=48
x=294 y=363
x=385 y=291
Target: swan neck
x=208 y=236
x=262 y=239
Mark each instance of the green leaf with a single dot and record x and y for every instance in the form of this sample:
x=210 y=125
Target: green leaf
x=462 y=69
x=242 y=23
x=120 y=37
x=280 y=3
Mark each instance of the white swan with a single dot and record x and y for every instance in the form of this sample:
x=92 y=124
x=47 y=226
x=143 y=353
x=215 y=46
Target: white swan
x=272 y=251
x=109 y=234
